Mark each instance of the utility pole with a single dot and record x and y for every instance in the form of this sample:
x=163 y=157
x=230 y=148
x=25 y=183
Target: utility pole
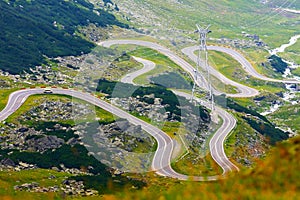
x=203 y=54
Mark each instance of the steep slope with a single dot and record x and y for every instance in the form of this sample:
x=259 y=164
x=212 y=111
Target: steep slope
x=34 y=29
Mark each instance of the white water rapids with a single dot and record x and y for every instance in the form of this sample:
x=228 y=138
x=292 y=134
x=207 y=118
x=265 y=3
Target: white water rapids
x=282 y=48
x=287 y=96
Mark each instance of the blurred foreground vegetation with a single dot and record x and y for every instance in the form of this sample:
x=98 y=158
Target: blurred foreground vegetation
x=277 y=177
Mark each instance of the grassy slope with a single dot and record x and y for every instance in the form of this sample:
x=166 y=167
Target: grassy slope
x=4 y=97
x=10 y=179
x=228 y=18
x=163 y=63
x=296 y=72
x=233 y=70
x=36 y=100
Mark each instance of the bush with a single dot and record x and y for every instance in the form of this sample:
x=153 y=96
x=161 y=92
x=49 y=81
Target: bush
x=278 y=64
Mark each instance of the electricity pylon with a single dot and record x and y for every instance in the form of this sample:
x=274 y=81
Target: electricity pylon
x=203 y=54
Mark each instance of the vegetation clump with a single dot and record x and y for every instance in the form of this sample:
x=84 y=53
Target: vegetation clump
x=278 y=64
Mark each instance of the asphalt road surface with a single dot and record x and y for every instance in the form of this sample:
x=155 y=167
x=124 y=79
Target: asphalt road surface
x=148 y=66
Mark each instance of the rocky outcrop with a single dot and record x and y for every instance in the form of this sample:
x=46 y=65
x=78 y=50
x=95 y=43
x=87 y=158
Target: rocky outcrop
x=44 y=143
x=7 y=162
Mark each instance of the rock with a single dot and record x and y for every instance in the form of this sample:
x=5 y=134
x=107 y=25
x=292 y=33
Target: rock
x=280 y=94
x=140 y=140
x=23 y=130
x=55 y=169
x=52 y=177
x=66 y=182
x=7 y=162
x=45 y=143
x=57 y=126
x=25 y=165
x=122 y=125
x=134 y=129
x=259 y=98
x=72 y=141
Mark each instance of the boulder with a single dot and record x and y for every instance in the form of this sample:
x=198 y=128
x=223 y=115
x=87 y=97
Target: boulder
x=7 y=162
x=45 y=143
x=23 y=130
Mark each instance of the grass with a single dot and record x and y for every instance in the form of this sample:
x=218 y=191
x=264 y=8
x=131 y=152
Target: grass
x=221 y=61
x=262 y=105
x=123 y=65
x=4 y=96
x=296 y=72
x=256 y=57
x=8 y=179
x=242 y=128
x=228 y=19
x=172 y=80
x=171 y=128
x=245 y=102
x=220 y=86
x=32 y=101
x=163 y=63
x=276 y=177
x=27 y=176
x=232 y=69
x=198 y=163
x=224 y=63
x=168 y=127
x=192 y=164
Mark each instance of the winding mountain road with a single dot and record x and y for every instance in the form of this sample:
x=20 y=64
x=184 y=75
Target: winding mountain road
x=148 y=66
x=179 y=61
x=189 y=51
x=216 y=144
x=244 y=91
x=162 y=159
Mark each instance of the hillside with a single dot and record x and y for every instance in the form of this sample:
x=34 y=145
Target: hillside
x=228 y=18
x=75 y=136
x=33 y=30
x=277 y=177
